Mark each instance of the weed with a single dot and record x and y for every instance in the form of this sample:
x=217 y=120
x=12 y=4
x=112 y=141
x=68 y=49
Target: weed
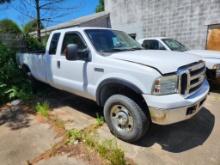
x=99 y=120
x=74 y=135
x=42 y=109
x=109 y=150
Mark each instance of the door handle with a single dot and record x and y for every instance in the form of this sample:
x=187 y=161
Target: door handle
x=58 y=64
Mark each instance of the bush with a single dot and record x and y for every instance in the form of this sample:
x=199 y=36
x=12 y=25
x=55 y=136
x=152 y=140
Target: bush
x=32 y=44
x=13 y=83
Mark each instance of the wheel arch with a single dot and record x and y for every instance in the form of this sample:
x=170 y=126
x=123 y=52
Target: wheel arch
x=25 y=68
x=112 y=86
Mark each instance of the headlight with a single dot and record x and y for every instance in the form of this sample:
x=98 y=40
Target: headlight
x=216 y=67
x=165 y=85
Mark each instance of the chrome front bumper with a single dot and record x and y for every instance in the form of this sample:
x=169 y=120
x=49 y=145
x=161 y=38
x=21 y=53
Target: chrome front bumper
x=174 y=108
x=169 y=116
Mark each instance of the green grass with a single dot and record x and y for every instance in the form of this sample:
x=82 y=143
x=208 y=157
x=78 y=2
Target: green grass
x=42 y=109
x=74 y=135
x=108 y=149
x=99 y=120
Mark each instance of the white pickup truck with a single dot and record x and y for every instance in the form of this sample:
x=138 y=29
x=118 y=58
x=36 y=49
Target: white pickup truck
x=211 y=58
x=136 y=87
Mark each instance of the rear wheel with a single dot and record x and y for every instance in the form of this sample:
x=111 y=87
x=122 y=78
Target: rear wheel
x=35 y=84
x=125 y=118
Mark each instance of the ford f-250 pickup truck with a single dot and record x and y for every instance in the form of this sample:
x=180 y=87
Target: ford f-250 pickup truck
x=136 y=87
x=211 y=58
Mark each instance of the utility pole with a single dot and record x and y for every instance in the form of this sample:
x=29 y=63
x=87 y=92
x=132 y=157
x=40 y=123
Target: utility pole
x=38 y=20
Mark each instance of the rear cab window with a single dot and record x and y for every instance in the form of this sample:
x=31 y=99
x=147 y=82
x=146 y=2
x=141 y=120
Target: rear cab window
x=54 y=43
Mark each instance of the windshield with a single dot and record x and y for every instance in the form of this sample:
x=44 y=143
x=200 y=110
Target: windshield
x=107 y=41
x=175 y=45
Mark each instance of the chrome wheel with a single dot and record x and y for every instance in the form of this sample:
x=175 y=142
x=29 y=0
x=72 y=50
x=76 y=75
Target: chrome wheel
x=121 y=118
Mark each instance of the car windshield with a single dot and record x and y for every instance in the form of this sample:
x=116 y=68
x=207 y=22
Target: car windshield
x=109 y=41
x=175 y=45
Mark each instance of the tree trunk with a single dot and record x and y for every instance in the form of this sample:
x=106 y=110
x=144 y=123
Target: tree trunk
x=38 y=20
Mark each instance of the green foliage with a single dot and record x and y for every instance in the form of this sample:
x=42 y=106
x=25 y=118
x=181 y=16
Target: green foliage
x=32 y=26
x=32 y=44
x=74 y=135
x=108 y=149
x=42 y=109
x=9 y=26
x=13 y=83
x=99 y=120
x=101 y=6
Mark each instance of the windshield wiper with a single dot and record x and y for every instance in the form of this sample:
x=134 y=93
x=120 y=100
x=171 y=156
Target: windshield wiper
x=136 y=48
x=127 y=49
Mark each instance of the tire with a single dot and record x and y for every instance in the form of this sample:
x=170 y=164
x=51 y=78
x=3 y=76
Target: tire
x=120 y=113
x=35 y=84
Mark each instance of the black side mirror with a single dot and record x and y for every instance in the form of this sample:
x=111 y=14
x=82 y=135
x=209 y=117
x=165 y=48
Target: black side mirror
x=73 y=53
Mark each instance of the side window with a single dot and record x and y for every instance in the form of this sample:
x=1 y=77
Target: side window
x=133 y=35
x=54 y=43
x=73 y=38
x=151 y=44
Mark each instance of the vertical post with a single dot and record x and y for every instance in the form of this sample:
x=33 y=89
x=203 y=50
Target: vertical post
x=38 y=20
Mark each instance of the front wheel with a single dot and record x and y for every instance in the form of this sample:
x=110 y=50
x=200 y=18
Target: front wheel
x=125 y=118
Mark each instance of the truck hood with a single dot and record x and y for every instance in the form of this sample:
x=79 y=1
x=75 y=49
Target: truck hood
x=164 y=61
x=205 y=53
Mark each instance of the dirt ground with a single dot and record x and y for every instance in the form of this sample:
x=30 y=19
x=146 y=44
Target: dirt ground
x=196 y=141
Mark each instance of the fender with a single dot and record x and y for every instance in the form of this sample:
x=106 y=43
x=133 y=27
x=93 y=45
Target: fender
x=118 y=81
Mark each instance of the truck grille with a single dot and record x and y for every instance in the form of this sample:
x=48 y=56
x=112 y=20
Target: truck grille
x=191 y=78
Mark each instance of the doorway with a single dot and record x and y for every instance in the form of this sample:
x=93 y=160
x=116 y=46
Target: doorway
x=213 y=38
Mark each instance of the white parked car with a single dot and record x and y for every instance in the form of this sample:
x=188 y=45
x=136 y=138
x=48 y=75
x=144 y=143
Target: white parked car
x=136 y=87
x=211 y=58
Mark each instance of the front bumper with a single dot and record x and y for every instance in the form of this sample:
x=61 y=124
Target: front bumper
x=174 y=108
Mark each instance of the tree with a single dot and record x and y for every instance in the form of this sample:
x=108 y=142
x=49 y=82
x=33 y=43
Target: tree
x=31 y=26
x=9 y=26
x=4 y=1
x=45 y=10
x=101 y=6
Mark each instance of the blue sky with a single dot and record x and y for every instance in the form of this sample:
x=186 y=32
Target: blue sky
x=87 y=7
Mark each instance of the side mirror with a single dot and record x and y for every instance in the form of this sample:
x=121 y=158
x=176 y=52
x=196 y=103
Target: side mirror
x=73 y=53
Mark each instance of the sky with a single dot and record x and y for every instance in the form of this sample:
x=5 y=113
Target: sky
x=83 y=7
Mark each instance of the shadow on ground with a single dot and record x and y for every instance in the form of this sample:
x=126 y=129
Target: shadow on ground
x=57 y=98
x=14 y=119
x=173 y=138
x=181 y=136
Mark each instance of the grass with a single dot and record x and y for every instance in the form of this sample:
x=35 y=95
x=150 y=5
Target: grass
x=42 y=109
x=107 y=149
x=74 y=135
x=99 y=120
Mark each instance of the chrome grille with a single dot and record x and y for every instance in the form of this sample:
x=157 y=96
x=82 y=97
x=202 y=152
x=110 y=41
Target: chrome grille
x=191 y=78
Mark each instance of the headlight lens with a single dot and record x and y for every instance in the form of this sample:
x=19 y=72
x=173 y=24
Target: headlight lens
x=216 y=67
x=165 y=85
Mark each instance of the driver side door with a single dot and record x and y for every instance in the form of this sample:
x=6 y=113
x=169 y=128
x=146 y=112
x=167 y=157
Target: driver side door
x=71 y=76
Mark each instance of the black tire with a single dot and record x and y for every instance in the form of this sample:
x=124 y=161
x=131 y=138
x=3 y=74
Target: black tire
x=140 y=120
x=35 y=84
